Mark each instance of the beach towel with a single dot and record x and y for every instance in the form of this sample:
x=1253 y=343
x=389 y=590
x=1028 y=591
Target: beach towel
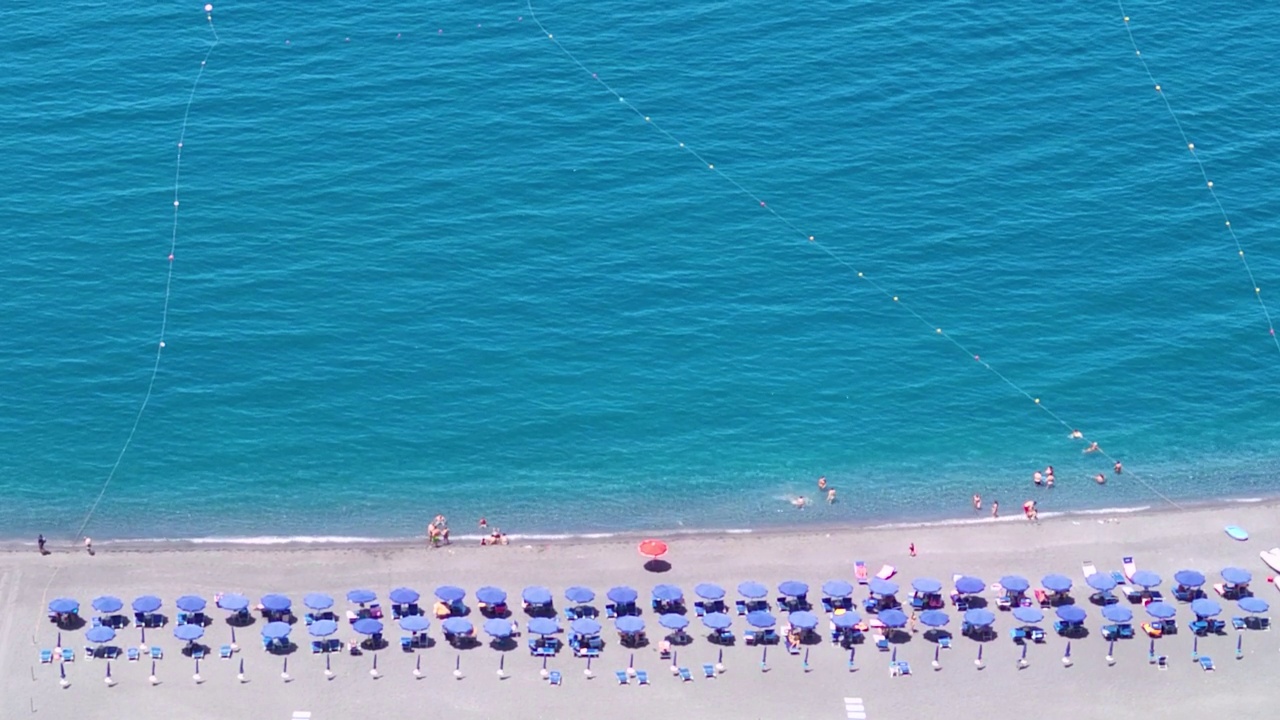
x=1129 y=567
x=1088 y=569
x=860 y=572
x=886 y=572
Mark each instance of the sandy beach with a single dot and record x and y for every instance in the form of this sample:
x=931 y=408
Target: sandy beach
x=1160 y=541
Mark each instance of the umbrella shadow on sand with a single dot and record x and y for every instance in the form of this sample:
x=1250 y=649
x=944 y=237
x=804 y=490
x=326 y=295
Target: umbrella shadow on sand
x=657 y=565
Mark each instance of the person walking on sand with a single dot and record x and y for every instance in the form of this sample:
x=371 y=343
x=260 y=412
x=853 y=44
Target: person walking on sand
x=88 y=544
x=40 y=543
x=911 y=549
x=995 y=508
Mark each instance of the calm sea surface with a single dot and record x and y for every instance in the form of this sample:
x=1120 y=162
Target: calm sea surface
x=425 y=264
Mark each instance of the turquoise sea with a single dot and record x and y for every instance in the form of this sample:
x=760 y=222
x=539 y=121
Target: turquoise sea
x=426 y=264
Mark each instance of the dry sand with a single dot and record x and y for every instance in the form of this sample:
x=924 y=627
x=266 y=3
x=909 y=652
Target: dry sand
x=1163 y=542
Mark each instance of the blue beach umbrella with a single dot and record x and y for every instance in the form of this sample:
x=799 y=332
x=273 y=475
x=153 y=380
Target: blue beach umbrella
x=793 y=588
x=188 y=632
x=709 y=591
x=461 y=626
x=1253 y=605
x=979 y=617
x=1071 y=614
x=323 y=628
x=837 y=588
x=233 y=602
x=536 y=595
x=760 y=619
x=276 y=630
x=315 y=601
x=934 y=618
x=1117 y=613
x=585 y=626
x=752 y=590
x=803 y=620
x=1236 y=576
x=969 y=585
x=490 y=595
x=1014 y=583
x=419 y=623
x=361 y=596
x=717 y=621
x=190 y=603
x=404 y=596
x=497 y=627
x=580 y=595
x=672 y=621
x=107 y=604
x=1189 y=578
x=543 y=626
x=622 y=595
x=276 y=602
x=1029 y=615
x=367 y=626
x=1100 y=582
x=1161 y=610
x=1056 y=583
x=1204 y=608
x=882 y=587
x=100 y=634
x=629 y=624
x=893 y=618
x=846 y=619
x=146 y=604
x=1146 y=579
x=667 y=593
x=926 y=585
x=450 y=593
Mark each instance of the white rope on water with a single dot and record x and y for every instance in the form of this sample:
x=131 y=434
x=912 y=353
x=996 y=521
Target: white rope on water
x=812 y=240
x=168 y=285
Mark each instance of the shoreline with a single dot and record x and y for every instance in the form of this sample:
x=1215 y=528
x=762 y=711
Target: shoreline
x=338 y=542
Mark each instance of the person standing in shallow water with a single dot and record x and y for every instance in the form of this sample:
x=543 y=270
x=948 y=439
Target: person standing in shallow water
x=995 y=508
x=977 y=501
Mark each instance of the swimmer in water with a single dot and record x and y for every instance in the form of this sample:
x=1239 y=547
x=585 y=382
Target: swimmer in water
x=1119 y=467
x=799 y=502
x=1100 y=479
x=822 y=483
x=977 y=501
x=1076 y=435
x=995 y=508
x=831 y=496
x=1093 y=448
x=1037 y=478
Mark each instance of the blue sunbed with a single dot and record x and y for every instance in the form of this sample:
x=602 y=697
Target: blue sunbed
x=708 y=670
x=685 y=675
x=621 y=675
x=642 y=676
x=224 y=652
x=554 y=677
x=46 y=656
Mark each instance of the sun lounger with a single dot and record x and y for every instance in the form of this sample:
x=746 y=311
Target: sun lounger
x=622 y=677
x=1238 y=623
x=1199 y=627
x=132 y=654
x=46 y=656
x=224 y=652
x=1037 y=635
x=792 y=648
x=1018 y=634
x=554 y=677
x=708 y=670
x=197 y=652
x=684 y=673
x=642 y=677
x=1043 y=598
x=741 y=607
x=886 y=572
x=827 y=606
x=1152 y=629
x=882 y=644
x=860 y=572
x=1129 y=567
x=901 y=667
x=1206 y=663
x=90 y=652
x=1088 y=569
x=316 y=647
x=944 y=642
x=1162 y=662
x=68 y=655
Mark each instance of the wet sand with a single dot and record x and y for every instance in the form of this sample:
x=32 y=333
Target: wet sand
x=1160 y=541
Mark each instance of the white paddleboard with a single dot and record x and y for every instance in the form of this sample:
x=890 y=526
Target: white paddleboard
x=1271 y=558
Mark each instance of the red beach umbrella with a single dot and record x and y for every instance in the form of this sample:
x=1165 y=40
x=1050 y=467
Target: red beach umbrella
x=653 y=548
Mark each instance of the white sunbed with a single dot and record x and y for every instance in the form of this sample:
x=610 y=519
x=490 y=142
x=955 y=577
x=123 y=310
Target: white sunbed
x=1272 y=559
x=1129 y=567
x=1088 y=569
x=887 y=572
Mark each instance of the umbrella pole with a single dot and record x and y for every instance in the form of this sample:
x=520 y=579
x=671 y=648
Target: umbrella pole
x=234 y=646
x=239 y=675
x=502 y=661
x=588 y=672
x=720 y=661
x=764 y=658
x=1151 y=654
x=806 y=659
x=1022 y=661
x=153 y=679
x=196 y=676
x=545 y=674
x=109 y=681
x=851 y=652
x=675 y=667
x=1240 y=646
x=328 y=669
x=631 y=666
x=284 y=673
x=978 y=663
x=937 y=657
x=1111 y=653
x=373 y=673
x=1066 y=656
x=1195 y=648
x=62 y=675
x=457 y=666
